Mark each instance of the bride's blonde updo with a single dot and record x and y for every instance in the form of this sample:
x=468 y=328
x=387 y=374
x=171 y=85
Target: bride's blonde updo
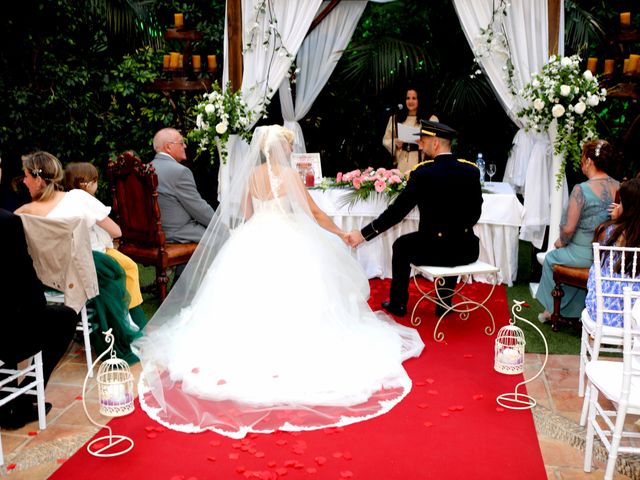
x=275 y=135
x=48 y=168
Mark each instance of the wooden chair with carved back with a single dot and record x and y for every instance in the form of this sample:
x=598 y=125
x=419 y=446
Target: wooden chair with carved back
x=134 y=188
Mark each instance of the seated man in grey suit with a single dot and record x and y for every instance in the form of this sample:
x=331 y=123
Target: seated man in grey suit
x=184 y=213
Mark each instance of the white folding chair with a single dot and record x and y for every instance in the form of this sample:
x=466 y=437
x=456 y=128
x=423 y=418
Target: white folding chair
x=31 y=387
x=597 y=337
x=619 y=382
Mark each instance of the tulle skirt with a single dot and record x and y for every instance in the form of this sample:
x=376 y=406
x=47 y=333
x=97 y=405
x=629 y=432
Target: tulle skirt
x=279 y=336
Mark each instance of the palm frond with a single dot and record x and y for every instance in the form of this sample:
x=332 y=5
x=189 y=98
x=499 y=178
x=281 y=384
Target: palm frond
x=134 y=19
x=377 y=62
x=581 y=27
x=460 y=94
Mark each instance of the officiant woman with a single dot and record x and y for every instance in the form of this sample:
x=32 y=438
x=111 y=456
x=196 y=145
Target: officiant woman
x=405 y=155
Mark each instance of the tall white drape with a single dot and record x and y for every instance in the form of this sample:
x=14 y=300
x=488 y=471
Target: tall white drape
x=264 y=67
x=529 y=167
x=316 y=61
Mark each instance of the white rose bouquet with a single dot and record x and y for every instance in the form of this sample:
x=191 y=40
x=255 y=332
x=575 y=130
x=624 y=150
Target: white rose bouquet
x=219 y=115
x=562 y=91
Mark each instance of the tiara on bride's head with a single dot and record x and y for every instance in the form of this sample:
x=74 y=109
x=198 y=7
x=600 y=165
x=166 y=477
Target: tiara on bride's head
x=598 y=147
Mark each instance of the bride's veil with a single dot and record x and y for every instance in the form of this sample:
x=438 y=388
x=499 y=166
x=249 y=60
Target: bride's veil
x=265 y=175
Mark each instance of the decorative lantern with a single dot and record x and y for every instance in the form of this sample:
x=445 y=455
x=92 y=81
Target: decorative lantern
x=509 y=359
x=115 y=393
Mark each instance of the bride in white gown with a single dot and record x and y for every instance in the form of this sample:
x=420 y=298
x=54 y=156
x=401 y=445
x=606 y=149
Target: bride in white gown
x=269 y=328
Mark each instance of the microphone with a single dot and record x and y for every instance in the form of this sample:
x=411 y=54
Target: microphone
x=394 y=108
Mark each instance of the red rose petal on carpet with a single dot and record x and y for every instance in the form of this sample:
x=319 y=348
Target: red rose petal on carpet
x=150 y=428
x=152 y=435
x=236 y=445
x=346 y=474
x=298 y=450
x=499 y=409
x=468 y=355
x=79 y=397
x=32 y=434
x=430 y=381
x=444 y=414
x=234 y=456
x=311 y=470
x=337 y=455
x=428 y=424
x=214 y=443
x=433 y=392
x=478 y=396
x=289 y=463
x=347 y=456
x=61 y=460
x=281 y=442
x=177 y=477
x=211 y=459
x=160 y=429
x=259 y=454
x=11 y=466
x=282 y=471
x=419 y=384
x=321 y=460
x=423 y=405
x=241 y=469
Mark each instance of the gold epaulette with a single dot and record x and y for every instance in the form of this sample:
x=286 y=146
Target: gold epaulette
x=462 y=160
x=418 y=165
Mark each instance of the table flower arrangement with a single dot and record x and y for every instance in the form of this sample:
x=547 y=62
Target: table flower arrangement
x=569 y=95
x=218 y=115
x=363 y=183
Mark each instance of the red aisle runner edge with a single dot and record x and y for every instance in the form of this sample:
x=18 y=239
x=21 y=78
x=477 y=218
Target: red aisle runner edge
x=448 y=427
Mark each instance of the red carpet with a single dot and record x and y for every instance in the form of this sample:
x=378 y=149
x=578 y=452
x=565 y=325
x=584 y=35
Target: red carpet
x=448 y=427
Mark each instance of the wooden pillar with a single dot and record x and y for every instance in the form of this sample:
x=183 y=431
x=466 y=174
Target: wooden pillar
x=554 y=25
x=234 y=32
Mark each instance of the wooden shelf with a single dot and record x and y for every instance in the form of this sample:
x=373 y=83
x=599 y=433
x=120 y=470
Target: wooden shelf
x=181 y=84
x=175 y=34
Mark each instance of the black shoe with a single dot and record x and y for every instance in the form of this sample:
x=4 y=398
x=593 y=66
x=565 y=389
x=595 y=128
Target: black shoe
x=17 y=416
x=440 y=310
x=392 y=308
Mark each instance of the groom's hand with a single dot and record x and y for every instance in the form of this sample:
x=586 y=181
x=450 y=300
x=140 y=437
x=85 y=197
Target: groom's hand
x=355 y=238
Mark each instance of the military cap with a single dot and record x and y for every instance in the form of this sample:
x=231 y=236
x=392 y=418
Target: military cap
x=436 y=129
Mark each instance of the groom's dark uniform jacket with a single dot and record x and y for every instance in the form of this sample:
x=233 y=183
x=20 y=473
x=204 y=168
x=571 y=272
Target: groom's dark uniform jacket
x=448 y=194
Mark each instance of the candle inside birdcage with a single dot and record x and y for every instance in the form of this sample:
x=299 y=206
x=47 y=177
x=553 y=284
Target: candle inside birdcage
x=509 y=350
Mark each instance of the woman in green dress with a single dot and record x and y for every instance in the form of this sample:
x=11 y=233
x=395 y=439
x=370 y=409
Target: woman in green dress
x=588 y=207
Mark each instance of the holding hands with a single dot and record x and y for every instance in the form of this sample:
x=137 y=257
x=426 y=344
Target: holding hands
x=353 y=238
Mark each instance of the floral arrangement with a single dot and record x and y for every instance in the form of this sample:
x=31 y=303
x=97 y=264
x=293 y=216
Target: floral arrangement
x=565 y=93
x=218 y=115
x=364 y=182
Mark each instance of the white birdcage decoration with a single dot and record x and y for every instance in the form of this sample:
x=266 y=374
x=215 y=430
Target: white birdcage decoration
x=509 y=349
x=116 y=396
x=115 y=387
x=509 y=359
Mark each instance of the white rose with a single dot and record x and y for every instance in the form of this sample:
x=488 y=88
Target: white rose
x=557 y=111
x=587 y=74
x=538 y=104
x=565 y=62
x=580 y=108
x=535 y=83
x=221 y=128
x=565 y=90
x=593 y=100
x=209 y=108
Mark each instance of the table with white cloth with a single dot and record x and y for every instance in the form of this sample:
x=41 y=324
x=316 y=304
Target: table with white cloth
x=497 y=228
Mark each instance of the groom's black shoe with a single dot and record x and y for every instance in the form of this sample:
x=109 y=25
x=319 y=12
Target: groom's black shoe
x=395 y=309
x=440 y=310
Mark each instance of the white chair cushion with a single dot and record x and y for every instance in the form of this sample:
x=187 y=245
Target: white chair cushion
x=607 y=377
x=470 y=269
x=589 y=325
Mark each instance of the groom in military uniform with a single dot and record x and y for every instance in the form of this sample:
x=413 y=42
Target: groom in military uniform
x=449 y=197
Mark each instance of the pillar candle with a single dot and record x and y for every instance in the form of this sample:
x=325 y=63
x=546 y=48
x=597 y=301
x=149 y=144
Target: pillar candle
x=633 y=62
x=591 y=64
x=625 y=19
x=625 y=67
x=608 y=66
x=178 y=19
x=180 y=61
x=195 y=61
x=166 y=62
x=174 y=60
x=211 y=62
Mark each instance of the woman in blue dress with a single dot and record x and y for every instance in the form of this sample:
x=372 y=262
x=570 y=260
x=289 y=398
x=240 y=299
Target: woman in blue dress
x=622 y=231
x=588 y=207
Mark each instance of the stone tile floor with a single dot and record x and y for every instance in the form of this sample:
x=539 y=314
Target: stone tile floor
x=33 y=455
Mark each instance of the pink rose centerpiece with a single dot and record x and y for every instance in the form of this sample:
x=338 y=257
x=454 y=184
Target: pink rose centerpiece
x=364 y=182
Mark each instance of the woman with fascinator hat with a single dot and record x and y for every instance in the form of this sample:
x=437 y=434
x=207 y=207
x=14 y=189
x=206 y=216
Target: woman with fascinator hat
x=268 y=328
x=589 y=205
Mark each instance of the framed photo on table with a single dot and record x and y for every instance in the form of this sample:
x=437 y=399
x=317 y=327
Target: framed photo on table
x=303 y=160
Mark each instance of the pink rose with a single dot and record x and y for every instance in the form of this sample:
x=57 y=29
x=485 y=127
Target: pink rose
x=356 y=183
x=380 y=185
x=395 y=179
x=339 y=177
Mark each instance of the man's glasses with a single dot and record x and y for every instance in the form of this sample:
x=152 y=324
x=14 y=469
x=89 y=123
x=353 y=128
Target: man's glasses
x=179 y=143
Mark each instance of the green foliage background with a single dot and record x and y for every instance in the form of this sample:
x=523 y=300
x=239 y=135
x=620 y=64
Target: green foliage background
x=75 y=78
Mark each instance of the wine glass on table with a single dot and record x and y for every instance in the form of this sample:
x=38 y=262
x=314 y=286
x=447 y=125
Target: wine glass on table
x=491 y=171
